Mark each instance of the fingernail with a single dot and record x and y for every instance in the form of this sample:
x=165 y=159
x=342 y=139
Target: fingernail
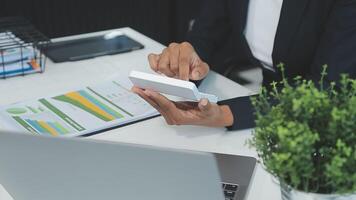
x=204 y=102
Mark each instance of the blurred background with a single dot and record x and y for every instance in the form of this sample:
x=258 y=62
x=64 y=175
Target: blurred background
x=163 y=20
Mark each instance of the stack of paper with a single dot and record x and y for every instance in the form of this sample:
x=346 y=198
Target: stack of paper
x=16 y=57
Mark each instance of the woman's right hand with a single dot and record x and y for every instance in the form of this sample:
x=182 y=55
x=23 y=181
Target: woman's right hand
x=179 y=61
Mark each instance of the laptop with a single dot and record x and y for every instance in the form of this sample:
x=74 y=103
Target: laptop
x=46 y=168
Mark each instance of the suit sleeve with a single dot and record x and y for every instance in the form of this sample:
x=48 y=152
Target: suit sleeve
x=243 y=112
x=337 y=45
x=210 y=28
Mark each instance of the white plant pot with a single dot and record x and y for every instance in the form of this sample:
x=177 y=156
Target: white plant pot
x=289 y=193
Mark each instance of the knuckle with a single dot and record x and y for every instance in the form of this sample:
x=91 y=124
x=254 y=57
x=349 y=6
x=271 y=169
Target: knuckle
x=174 y=66
x=152 y=65
x=186 y=45
x=161 y=67
x=164 y=59
x=151 y=57
x=165 y=51
x=172 y=45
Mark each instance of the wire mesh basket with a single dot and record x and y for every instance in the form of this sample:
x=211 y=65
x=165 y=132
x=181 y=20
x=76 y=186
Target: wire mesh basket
x=21 y=48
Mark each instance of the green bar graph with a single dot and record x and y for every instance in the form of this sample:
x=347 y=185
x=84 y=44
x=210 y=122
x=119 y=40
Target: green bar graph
x=25 y=125
x=107 y=100
x=59 y=128
x=62 y=115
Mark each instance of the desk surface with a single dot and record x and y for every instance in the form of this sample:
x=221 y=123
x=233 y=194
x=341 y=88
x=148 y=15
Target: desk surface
x=65 y=76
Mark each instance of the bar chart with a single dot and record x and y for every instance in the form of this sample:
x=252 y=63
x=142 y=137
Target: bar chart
x=39 y=122
x=87 y=102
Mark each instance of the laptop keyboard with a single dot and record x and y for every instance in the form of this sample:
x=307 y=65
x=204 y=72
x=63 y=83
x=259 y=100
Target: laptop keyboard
x=230 y=190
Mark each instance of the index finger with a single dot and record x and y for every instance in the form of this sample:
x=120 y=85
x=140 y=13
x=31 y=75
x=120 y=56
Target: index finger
x=184 y=62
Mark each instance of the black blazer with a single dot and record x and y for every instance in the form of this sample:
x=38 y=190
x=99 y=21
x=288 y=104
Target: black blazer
x=310 y=33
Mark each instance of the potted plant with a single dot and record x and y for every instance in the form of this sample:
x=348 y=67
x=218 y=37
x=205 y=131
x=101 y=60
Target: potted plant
x=306 y=137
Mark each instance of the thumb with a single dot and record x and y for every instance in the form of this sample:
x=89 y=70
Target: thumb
x=204 y=105
x=199 y=72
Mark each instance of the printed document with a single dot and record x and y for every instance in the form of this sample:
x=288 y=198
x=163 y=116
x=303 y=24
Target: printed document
x=78 y=112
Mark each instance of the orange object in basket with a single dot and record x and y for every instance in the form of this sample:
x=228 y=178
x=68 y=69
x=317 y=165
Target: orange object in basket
x=35 y=65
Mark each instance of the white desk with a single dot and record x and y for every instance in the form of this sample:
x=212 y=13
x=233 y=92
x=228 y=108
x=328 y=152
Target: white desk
x=63 y=77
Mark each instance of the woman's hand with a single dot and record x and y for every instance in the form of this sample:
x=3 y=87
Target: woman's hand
x=203 y=113
x=179 y=61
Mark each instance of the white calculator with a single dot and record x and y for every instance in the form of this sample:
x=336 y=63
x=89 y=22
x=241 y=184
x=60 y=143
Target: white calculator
x=170 y=86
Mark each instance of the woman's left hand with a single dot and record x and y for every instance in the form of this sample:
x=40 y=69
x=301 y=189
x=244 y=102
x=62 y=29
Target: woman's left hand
x=201 y=113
